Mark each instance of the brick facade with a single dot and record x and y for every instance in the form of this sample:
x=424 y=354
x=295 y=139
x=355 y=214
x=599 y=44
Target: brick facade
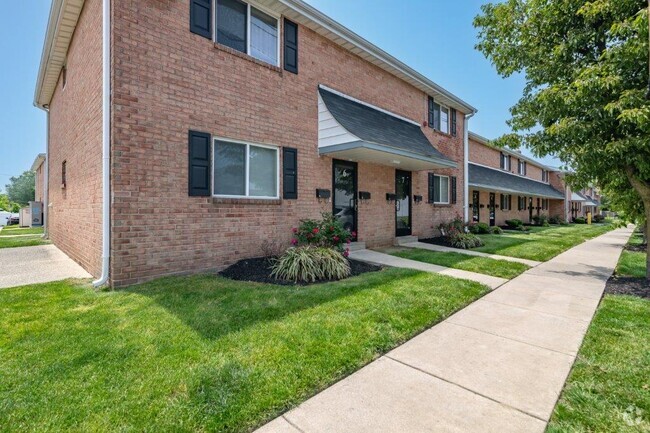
x=74 y=215
x=167 y=81
x=38 y=183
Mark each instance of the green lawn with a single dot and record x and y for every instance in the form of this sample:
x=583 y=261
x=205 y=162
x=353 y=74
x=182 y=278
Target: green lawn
x=632 y=263
x=481 y=265
x=15 y=230
x=608 y=389
x=22 y=241
x=541 y=243
x=200 y=353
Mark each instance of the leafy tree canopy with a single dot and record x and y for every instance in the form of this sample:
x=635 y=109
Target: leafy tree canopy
x=585 y=100
x=21 y=189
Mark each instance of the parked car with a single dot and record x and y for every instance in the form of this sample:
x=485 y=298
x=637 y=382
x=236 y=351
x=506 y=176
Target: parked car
x=13 y=219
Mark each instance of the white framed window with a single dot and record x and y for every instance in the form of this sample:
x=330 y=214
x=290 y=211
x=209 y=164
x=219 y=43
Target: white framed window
x=545 y=176
x=245 y=170
x=444 y=119
x=505 y=162
x=248 y=29
x=441 y=189
x=522 y=167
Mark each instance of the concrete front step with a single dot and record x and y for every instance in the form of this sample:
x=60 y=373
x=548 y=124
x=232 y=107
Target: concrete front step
x=357 y=246
x=401 y=240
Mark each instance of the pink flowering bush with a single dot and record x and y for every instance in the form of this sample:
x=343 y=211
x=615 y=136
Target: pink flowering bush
x=327 y=232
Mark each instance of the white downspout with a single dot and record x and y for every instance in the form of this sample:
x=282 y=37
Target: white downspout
x=106 y=143
x=46 y=175
x=466 y=165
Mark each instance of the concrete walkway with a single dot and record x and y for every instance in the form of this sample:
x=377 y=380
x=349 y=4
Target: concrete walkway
x=39 y=264
x=384 y=259
x=440 y=248
x=498 y=365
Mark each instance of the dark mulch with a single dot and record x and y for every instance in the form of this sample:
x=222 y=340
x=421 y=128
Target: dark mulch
x=259 y=270
x=636 y=248
x=438 y=240
x=628 y=286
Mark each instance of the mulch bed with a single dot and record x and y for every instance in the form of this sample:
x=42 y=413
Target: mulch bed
x=628 y=286
x=636 y=248
x=438 y=240
x=259 y=270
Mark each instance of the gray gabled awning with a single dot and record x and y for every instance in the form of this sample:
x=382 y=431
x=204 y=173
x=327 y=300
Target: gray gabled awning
x=498 y=180
x=376 y=136
x=577 y=197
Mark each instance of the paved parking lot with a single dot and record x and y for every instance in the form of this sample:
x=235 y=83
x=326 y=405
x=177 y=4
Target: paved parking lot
x=40 y=264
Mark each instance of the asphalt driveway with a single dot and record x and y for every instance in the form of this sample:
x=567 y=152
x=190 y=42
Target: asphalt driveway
x=39 y=264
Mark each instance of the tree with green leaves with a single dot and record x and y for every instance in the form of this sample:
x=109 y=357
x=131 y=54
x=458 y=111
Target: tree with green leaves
x=4 y=202
x=586 y=96
x=21 y=189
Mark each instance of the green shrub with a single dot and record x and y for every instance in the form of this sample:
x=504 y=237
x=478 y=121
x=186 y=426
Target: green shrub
x=579 y=220
x=483 y=228
x=327 y=232
x=473 y=228
x=541 y=220
x=514 y=223
x=309 y=264
x=598 y=218
x=464 y=240
x=496 y=230
x=555 y=219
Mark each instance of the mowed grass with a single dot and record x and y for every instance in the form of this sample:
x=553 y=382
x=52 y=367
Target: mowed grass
x=22 y=241
x=633 y=263
x=200 y=353
x=481 y=265
x=15 y=230
x=608 y=389
x=541 y=243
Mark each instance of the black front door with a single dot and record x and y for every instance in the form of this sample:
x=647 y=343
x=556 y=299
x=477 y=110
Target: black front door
x=475 y=207
x=344 y=185
x=530 y=209
x=402 y=203
x=492 y=209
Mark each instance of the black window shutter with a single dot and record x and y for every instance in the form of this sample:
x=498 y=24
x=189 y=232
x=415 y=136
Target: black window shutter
x=453 y=122
x=436 y=116
x=201 y=17
x=436 y=189
x=509 y=202
x=502 y=162
x=289 y=173
x=431 y=194
x=453 y=190
x=290 y=46
x=200 y=159
x=430 y=119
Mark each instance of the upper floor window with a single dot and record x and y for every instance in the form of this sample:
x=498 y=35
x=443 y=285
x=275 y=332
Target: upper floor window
x=522 y=167
x=505 y=162
x=444 y=119
x=544 y=175
x=439 y=116
x=245 y=28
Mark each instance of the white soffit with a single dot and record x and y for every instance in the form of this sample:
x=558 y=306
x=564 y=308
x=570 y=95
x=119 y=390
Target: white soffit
x=64 y=15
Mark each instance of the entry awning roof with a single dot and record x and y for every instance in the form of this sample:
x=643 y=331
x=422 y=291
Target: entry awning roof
x=577 y=197
x=377 y=136
x=498 y=180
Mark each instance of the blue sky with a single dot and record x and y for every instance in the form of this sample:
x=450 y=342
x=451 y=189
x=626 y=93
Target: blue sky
x=435 y=37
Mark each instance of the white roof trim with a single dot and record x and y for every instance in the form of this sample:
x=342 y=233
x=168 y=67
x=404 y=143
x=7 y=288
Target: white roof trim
x=40 y=159
x=374 y=107
x=64 y=15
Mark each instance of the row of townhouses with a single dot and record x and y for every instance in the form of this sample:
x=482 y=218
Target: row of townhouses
x=183 y=134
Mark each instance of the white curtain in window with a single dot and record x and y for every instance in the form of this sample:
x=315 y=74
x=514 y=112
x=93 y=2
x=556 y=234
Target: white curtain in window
x=264 y=37
x=263 y=172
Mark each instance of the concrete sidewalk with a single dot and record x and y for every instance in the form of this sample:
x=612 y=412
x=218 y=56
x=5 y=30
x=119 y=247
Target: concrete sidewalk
x=38 y=264
x=384 y=259
x=443 y=249
x=498 y=365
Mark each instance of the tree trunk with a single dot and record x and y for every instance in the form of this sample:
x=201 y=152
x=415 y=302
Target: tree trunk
x=643 y=188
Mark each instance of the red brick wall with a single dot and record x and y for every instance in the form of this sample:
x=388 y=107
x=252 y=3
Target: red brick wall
x=168 y=80
x=491 y=157
x=76 y=137
x=560 y=207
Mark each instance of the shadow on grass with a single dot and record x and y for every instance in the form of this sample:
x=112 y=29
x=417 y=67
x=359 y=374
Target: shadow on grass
x=215 y=306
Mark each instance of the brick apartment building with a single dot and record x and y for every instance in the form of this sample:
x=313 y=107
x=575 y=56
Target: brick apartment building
x=220 y=124
x=505 y=184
